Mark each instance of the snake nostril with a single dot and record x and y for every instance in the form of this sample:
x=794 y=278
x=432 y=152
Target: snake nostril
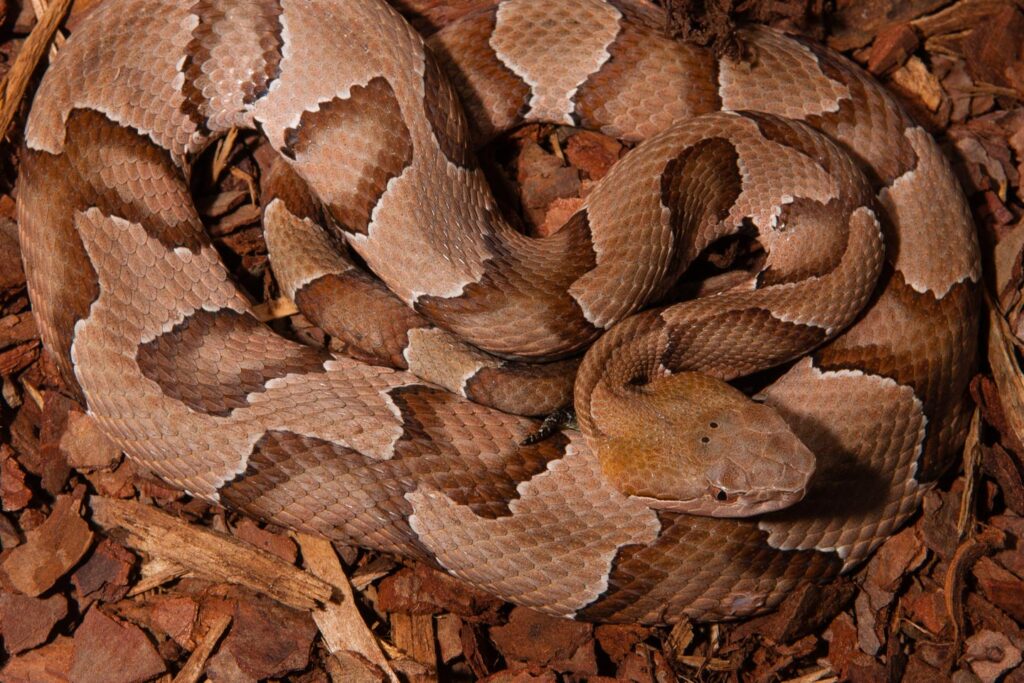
x=713 y=424
x=720 y=494
x=705 y=440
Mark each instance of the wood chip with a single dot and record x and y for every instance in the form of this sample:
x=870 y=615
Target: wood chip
x=276 y=544
x=914 y=79
x=1007 y=374
x=247 y=214
x=85 y=446
x=1003 y=588
x=593 y=153
x=267 y=640
x=155 y=573
x=170 y=614
x=17 y=328
x=953 y=586
x=425 y=590
x=340 y=622
x=14 y=492
x=558 y=643
x=18 y=358
x=112 y=651
x=193 y=669
x=209 y=553
x=221 y=203
x=449 y=637
x=105 y=574
x=820 y=676
x=375 y=569
x=27 y=622
x=50 y=550
x=49 y=664
x=892 y=47
x=413 y=634
x=990 y=655
x=12 y=273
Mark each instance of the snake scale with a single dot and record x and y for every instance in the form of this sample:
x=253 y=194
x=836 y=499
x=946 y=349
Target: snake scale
x=850 y=326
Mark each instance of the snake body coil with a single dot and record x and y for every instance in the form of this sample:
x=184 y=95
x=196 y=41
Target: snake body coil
x=681 y=495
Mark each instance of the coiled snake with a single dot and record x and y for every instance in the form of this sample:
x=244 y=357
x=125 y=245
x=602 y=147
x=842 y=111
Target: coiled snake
x=680 y=496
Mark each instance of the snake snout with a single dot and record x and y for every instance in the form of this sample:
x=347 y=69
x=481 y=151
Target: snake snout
x=764 y=485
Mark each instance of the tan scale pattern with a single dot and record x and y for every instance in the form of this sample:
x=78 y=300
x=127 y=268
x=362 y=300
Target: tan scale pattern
x=626 y=97
x=212 y=361
x=119 y=272
x=520 y=555
x=324 y=487
x=375 y=327
x=368 y=128
x=867 y=431
x=932 y=222
x=132 y=63
x=235 y=43
x=763 y=82
x=301 y=250
x=560 y=47
x=494 y=97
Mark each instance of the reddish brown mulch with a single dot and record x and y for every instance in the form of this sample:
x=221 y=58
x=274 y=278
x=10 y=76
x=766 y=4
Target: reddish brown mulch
x=108 y=575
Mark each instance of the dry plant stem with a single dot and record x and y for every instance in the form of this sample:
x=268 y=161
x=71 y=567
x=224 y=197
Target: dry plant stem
x=209 y=553
x=341 y=625
x=972 y=458
x=250 y=183
x=39 y=9
x=819 y=676
x=220 y=159
x=1005 y=370
x=275 y=309
x=193 y=669
x=156 y=573
x=953 y=587
x=706 y=663
x=33 y=392
x=12 y=89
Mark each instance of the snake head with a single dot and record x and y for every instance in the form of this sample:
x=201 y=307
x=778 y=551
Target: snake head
x=695 y=444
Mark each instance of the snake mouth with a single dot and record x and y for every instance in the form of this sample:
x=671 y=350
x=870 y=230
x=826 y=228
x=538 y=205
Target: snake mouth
x=752 y=503
x=718 y=502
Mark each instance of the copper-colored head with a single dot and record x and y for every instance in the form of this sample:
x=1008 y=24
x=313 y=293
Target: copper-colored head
x=696 y=444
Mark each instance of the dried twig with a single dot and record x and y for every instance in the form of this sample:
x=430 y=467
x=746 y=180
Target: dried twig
x=972 y=461
x=341 y=624
x=209 y=553
x=156 y=573
x=12 y=88
x=193 y=669
x=275 y=309
x=963 y=559
x=222 y=155
x=1005 y=370
x=39 y=9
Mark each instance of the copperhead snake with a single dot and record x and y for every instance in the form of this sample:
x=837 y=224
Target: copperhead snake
x=854 y=321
